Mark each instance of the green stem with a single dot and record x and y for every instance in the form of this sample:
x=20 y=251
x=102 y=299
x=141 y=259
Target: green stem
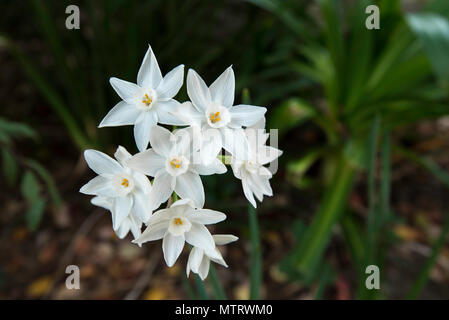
x=216 y=284
x=255 y=262
x=201 y=288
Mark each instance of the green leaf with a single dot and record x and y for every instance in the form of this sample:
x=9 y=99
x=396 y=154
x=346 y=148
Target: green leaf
x=217 y=287
x=36 y=205
x=9 y=166
x=255 y=258
x=30 y=187
x=433 y=31
x=290 y=114
x=13 y=129
x=34 y=213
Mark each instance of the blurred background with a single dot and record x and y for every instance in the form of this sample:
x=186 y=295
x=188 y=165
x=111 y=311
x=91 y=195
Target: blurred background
x=362 y=118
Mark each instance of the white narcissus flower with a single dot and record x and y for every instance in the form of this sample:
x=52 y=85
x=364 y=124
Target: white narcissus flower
x=174 y=166
x=199 y=259
x=255 y=177
x=181 y=223
x=130 y=223
x=215 y=115
x=127 y=189
x=148 y=102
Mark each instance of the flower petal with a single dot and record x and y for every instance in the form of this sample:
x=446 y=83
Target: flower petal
x=149 y=75
x=142 y=129
x=214 y=167
x=101 y=163
x=188 y=114
x=235 y=142
x=203 y=270
x=153 y=232
x=147 y=162
x=121 y=154
x=122 y=114
x=121 y=209
x=125 y=89
x=124 y=228
x=195 y=258
x=189 y=186
x=197 y=90
x=199 y=236
x=211 y=145
x=222 y=239
x=222 y=90
x=170 y=84
x=248 y=193
x=161 y=140
x=267 y=154
x=172 y=247
x=206 y=216
x=99 y=186
x=246 y=115
x=141 y=207
x=143 y=184
x=102 y=202
x=162 y=189
x=166 y=113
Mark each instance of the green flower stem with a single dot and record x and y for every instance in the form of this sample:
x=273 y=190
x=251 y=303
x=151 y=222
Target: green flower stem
x=255 y=262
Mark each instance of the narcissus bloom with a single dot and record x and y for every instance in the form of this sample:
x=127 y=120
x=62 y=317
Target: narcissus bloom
x=215 y=115
x=181 y=223
x=255 y=177
x=174 y=166
x=127 y=189
x=199 y=259
x=148 y=102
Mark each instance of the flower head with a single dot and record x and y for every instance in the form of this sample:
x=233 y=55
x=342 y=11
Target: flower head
x=181 y=223
x=127 y=190
x=213 y=112
x=148 y=102
x=199 y=259
x=254 y=175
x=174 y=166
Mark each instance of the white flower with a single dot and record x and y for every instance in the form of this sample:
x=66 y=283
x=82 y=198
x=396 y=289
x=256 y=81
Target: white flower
x=130 y=223
x=148 y=102
x=213 y=112
x=255 y=177
x=174 y=166
x=128 y=190
x=199 y=259
x=178 y=224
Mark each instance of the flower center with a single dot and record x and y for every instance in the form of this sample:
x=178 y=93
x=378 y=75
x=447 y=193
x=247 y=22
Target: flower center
x=215 y=117
x=178 y=221
x=125 y=183
x=175 y=163
x=146 y=99
x=179 y=225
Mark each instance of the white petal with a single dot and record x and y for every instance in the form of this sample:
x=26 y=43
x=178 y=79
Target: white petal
x=125 y=89
x=161 y=140
x=142 y=129
x=170 y=84
x=215 y=167
x=122 y=114
x=222 y=90
x=135 y=227
x=162 y=215
x=211 y=145
x=121 y=209
x=222 y=239
x=246 y=115
x=147 y=162
x=248 y=193
x=141 y=207
x=166 y=113
x=121 y=154
x=162 y=188
x=172 y=247
x=198 y=91
x=203 y=270
x=101 y=163
x=153 y=232
x=266 y=154
x=142 y=182
x=189 y=186
x=183 y=202
x=124 y=228
x=259 y=125
x=149 y=75
x=235 y=142
x=103 y=202
x=199 y=236
x=195 y=258
x=206 y=216
x=100 y=186
x=188 y=114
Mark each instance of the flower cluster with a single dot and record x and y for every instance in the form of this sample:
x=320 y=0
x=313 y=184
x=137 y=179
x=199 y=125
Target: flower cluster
x=210 y=123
